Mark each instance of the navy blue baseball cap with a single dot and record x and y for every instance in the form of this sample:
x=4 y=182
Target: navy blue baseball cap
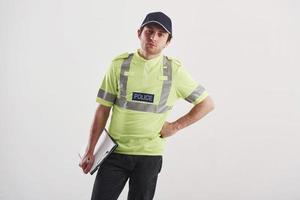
x=159 y=18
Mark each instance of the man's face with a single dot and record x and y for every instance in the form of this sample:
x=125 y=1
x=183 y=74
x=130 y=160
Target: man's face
x=153 y=39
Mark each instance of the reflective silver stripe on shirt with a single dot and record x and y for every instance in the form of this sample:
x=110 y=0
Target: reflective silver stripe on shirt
x=195 y=94
x=166 y=88
x=138 y=106
x=124 y=78
x=106 y=96
x=146 y=107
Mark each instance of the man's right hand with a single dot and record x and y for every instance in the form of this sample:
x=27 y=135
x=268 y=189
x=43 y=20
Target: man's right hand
x=86 y=162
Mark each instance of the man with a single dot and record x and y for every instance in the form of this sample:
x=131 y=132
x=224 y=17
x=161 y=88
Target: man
x=141 y=88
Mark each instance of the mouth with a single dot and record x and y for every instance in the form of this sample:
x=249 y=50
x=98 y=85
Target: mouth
x=151 y=44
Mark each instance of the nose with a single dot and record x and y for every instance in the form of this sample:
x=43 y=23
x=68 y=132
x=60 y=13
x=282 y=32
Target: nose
x=153 y=36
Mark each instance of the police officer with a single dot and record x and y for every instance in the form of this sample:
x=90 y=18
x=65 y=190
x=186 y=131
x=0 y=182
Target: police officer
x=141 y=88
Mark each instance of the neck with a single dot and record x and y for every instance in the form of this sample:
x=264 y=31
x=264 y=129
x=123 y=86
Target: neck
x=147 y=56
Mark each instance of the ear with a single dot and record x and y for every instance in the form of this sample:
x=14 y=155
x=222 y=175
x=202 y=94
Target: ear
x=167 y=43
x=139 y=32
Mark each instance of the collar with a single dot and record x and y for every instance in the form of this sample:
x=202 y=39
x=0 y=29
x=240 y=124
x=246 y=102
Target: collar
x=150 y=61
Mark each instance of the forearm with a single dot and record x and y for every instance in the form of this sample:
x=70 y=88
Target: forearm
x=100 y=119
x=195 y=114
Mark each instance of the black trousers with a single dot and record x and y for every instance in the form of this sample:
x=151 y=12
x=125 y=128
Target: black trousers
x=142 y=172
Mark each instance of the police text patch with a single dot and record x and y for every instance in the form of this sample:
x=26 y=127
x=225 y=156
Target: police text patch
x=138 y=96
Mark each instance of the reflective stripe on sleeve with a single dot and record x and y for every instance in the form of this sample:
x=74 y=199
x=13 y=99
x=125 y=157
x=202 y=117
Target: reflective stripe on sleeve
x=106 y=96
x=195 y=94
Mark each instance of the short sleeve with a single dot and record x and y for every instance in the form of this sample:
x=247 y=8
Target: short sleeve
x=108 y=92
x=187 y=88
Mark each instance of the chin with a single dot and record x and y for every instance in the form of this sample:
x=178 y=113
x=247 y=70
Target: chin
x=152 y=51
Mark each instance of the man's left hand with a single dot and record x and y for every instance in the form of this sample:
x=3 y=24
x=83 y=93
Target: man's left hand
x=168 y=130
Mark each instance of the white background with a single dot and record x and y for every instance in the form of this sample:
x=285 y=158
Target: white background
x=53 y=55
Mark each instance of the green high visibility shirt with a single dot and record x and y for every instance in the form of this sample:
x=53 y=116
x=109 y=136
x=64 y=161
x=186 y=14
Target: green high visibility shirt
x=142 y=93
